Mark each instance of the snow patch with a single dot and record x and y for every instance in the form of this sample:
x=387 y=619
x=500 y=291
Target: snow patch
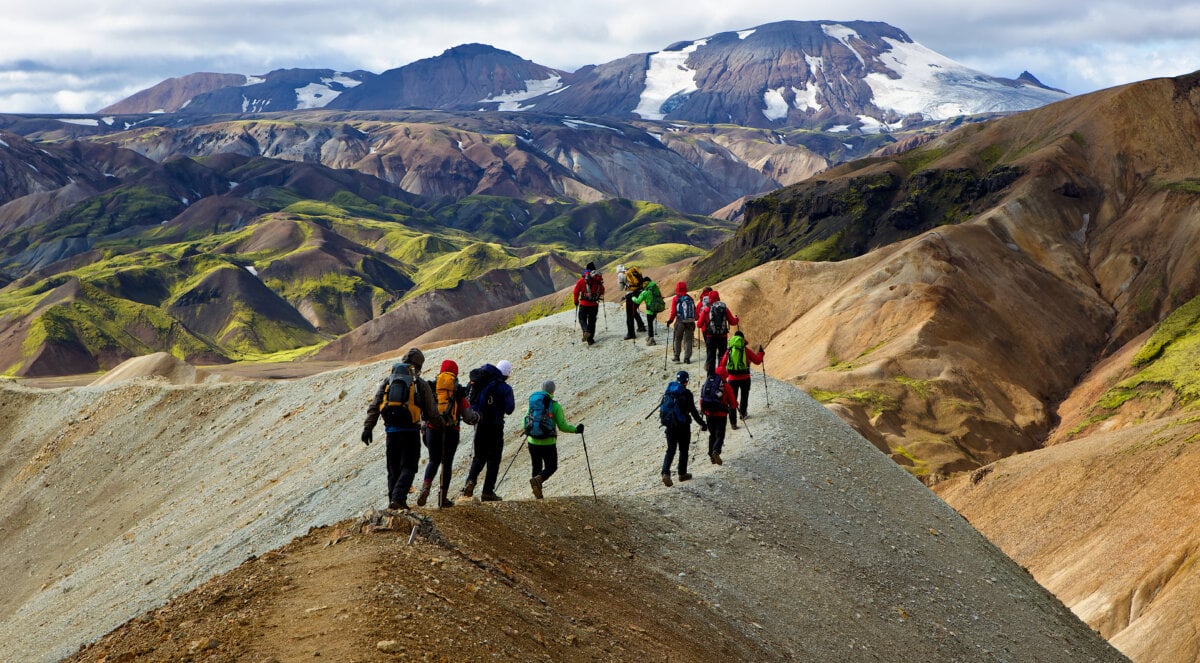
x=742 y=34
x=184 y=201
x=318 y=95
x=776 y=106
x=5 y=144
x=82 y=121
x=870 y=125
x=575 y=124
x=806 y=99
x=110 y=120
x=254 y=80
x=252 y=270
x=667 y=76
x=846 y=36
x=839 y=129
x=511 y=101
x=558 y=91
x=939 y=88
x=33 y=167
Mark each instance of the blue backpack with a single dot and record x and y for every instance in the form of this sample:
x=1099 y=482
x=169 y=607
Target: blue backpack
x=670 y=410
x=539 y=422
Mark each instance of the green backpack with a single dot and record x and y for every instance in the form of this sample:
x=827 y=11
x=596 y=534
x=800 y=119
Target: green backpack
x=736 y=361
x=655 y=304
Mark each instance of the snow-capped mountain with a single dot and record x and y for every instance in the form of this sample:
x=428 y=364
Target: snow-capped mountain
x=850 y=76
x=279 y=90
x=467 y=77
x=863 y=75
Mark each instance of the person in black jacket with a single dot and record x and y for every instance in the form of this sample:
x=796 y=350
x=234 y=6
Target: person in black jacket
x=403 y=429
x=679 y=434
x=496 y=402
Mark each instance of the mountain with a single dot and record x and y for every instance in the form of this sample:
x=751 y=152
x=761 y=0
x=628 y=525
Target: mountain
x=466 y=77
x=851 y=77
x=172 y=486
x=279 y=90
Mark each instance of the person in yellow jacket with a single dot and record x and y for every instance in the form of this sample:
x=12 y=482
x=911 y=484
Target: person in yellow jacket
x=543 y=419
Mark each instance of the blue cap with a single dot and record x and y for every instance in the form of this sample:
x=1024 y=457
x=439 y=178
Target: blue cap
x=681 y=376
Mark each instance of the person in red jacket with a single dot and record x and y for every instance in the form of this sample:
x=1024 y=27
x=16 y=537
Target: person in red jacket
x=715 y=321
x=589 y=292
x=442 y=441
x=717 y=404
x=683 y=315
x=736 y=363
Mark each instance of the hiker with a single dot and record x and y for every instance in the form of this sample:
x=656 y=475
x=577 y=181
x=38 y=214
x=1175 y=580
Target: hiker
x=717 y=404
x=676 y=411
x=736 y=362
x=652 y=297
x=683 y=315
x=543 y=419
x=589 y=292
x=403 y=400
x=715 y=320
x=442 y=442
x=492 y=398
x=633 y=285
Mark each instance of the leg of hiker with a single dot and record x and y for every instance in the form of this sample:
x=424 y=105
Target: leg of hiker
x=433 y=442
x=716 y=430
x=493 y=450
x=650 y=328
x=394 y=454
x=742 y=389
x=630 y=312
x=687 y=330
x=408 y=452
x=685 y=441
x=450 y=438
x=478 y=460
x=669 y=458
x=588 y=314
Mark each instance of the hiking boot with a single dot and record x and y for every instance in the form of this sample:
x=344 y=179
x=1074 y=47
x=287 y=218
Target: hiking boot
x=743 y=415
x=712 y=458
x=666 y=479
x=716 y=458
x=490 y=497
x=675 y=359
x=536 y=485
x=395 y=506
x=684 y=476
x=650 y=340
x=630 y=337
x=443 y=500
x=469 y=488
x=423 y=496
x=591 y=341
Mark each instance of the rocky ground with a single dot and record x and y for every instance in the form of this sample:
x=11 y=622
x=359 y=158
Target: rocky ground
x=186 y=508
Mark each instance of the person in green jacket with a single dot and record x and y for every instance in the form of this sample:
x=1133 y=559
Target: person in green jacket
x=652 y=297
x=543 y=420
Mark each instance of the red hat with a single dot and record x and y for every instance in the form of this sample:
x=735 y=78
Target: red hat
x=681 y=288
x=448 y=366
x=713 y=296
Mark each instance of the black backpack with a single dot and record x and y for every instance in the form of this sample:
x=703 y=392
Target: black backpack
x=685 y=308
x=718 y=323
x=479 y=388
x=539 y=422
x=399 y=407
x=670 y=409
x=712 y=393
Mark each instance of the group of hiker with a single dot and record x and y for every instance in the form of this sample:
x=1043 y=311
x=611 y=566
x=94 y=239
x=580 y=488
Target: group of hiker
x=414 y=409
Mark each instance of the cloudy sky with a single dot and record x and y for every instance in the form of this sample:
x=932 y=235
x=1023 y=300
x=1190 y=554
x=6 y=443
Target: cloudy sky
x=76 y=56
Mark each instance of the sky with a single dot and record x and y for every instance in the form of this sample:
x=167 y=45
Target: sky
x=77 y=56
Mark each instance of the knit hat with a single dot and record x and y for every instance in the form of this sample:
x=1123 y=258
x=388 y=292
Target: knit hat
x=548 y=387
x=681 y=376
x=739 y=333
x=713 y=297
x=505 y=367
x=591 y=267
x=448 y=366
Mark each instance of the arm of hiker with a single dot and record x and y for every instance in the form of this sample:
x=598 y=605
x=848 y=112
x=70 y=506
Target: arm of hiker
x=692 y=412
x=509 y=404
x=469 y=416
x=373 y=413
x=560 y=421
x=733 y=319
x=428 y=404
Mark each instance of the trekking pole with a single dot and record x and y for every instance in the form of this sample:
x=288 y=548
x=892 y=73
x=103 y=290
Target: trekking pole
x=589 y=464
x=656 y=407
x=765 y=388
x=510 y=464
x=666 y=348
x=605 y=315
x=743 y=422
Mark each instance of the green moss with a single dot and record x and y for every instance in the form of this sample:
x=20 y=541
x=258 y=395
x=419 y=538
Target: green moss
x=917 y=467
x=1079 y=139
x=920 y=158
x=876 y=403
x=922 y=388
x=1170 y=358
x=828 y=249
x=990 y=155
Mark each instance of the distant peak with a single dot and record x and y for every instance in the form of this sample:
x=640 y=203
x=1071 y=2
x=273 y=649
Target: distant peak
x=473 y=50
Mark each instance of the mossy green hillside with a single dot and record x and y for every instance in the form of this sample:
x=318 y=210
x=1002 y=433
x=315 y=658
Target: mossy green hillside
x=1170 y=359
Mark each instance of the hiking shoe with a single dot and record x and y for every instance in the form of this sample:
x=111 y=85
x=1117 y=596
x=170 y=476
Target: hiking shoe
x=443 y=500
x=716 y=458
x=684 y=476
x=666 y=479
x=395 y=506
x=650 y=340
x=630 y=337
x=536 y=484
x=490 y=497
x=712 y=458
x=675 y=359
x=423 y=496
x=743 y=415
x=469 y=488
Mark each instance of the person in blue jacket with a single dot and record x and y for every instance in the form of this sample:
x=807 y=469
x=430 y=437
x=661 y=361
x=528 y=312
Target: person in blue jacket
x=543 y=419
x=494 y=403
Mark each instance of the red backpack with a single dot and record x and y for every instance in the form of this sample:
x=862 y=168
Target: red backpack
x=593 y=286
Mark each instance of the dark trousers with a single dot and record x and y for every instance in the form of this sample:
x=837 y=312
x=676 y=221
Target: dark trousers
x=650 y=324
x=587 y=319
x=489 y=445
x=678 y=437
x=716 y=432
x=632 y=316
x=403 y=455
x=715 y=347
x=442 y=444
x=544 y=458
x=741 y=391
